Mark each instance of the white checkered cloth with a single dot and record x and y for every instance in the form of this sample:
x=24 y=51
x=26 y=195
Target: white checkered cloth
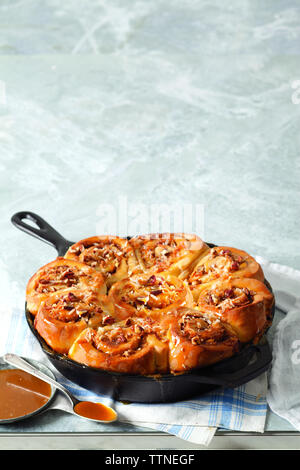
x=240 y=409
x=284 y=378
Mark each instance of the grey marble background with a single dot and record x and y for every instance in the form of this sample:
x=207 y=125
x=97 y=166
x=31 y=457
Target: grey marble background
x=186 y=102
x=155 y=101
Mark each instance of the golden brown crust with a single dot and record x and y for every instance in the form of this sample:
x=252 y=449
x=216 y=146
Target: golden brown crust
x=172 y=303
x=62 y=317
x=167 y=252
x=244 y=303
x=112 y=256
x=120 y=348
x=223 y=262
x=196 y=340
x=61 y=275
x=149 y=295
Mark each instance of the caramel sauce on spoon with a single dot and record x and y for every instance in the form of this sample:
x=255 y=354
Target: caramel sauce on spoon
x=88 y=409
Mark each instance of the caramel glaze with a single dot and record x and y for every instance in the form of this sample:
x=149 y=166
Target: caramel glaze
x=21 y=393
x=97 y=411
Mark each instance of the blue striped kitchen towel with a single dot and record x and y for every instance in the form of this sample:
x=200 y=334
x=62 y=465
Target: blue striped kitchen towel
x=240 y=409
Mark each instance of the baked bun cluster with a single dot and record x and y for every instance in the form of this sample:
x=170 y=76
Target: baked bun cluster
x=154 y=304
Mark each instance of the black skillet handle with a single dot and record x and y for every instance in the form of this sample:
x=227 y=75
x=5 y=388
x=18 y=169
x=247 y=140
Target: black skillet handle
x=43 y=231
x=263 y=358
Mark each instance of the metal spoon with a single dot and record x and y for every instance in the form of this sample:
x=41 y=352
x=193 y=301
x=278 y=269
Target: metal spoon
x=20 y=363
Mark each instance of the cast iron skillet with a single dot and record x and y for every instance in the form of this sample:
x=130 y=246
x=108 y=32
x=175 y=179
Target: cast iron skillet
x=250 y=362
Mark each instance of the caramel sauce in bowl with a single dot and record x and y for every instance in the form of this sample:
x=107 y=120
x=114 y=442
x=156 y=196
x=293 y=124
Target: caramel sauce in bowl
x=21 y=394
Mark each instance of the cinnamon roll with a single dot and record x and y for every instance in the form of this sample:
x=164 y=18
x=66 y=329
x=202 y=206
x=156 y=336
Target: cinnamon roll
x=61 y=275
x=196 y=340
x=148 y=295
x=223 y=262
x=171 y=252
x=62 y=317
x=123 y=347
x=245 y=304
x=112 y=256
